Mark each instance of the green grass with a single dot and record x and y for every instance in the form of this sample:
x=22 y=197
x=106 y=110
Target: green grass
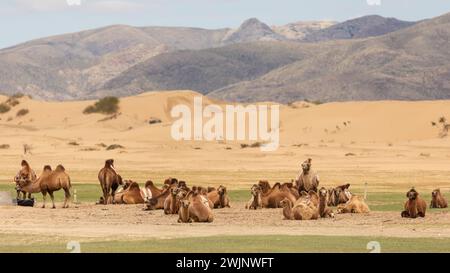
x=247 y=244
x=88 y=192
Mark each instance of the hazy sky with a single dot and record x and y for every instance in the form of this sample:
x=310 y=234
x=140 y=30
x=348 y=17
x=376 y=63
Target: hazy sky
x=22 y=20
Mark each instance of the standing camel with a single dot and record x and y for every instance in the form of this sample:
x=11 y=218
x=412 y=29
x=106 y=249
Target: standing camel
x=109 y=181
x=49 y=182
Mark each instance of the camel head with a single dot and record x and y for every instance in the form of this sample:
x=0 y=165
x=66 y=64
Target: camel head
x=109 y=164
x=412 y=194
x=256 y=190
x=323 y=193
x=306 y=165
x=222 y=190
x=174 y=192
x=285 y=203
x=436 y=193
x=185 y=203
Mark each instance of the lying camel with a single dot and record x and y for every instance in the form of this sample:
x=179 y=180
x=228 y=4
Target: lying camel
x=219 y=197
x=324 y=210
x=415 y=206
x=339 y=195
x=264 y=186
x=356 y=204
x=204 y=192
x=199 y=208
x=157 y=202
x=171 y=204
x=256 y=200
x=272 y=198
x=183 y=212
x=109 y=181
x=307 y=180
x=49 y=182
x=302 y=209
x=438 y=200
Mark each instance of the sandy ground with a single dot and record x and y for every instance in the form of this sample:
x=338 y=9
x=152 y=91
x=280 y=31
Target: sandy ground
x=105 y=222
x=390 y=145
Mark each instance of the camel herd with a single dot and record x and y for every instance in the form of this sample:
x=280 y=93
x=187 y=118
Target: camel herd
x=300 y=199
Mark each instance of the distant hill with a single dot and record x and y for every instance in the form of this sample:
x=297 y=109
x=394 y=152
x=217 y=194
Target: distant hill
x=123 y=60
x=363 y=27
x=409 y=64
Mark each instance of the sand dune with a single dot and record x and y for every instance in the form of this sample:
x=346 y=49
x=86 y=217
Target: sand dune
x=384 y=136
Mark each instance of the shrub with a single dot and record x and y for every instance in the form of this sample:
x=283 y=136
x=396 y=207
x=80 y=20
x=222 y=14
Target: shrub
x=107 y=105
x=4 y=108
x=4 y=146
x=22 y=112
x=114 y=146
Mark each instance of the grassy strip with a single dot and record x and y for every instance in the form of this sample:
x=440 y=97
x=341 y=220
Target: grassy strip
x=247 y=244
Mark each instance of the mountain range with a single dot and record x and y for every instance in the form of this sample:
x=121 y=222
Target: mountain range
x=367 y=58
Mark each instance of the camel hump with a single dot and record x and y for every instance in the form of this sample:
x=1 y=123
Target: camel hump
x=134 y=186
x=60 y=168
x=47 y=168
x=149 y=183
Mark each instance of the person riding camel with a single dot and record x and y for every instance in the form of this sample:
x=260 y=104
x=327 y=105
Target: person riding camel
x=26 y=174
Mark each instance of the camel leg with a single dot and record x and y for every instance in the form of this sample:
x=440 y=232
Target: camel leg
x=53 y=199
x=67 y=198
x=105 y=194
x=44 y=196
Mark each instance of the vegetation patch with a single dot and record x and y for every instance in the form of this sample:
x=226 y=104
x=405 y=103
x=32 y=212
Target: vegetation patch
x=4 y=108
x=114 y=147
x=106 y=105
x=4 y=146
x=22 y=112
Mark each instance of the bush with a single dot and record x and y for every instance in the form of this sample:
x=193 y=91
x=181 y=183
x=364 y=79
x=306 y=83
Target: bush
x=114 y=147
x=107 y=105
x=4 y=108
x=22 y=112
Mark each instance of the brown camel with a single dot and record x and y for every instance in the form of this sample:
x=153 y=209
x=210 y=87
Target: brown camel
x=219 y=197
x=183 y=212
x=307 y=180
x=272 y=198
x=256 y=200
x=133 y=195
x=199 y=208
x=109 y=181
x=157 y=202
x=339 y=195
x=49 y=182
x=415 y=206
x=171 y=204
x=438 y=200
x=26 y=174
x=324 y=210
x=356 y=204
x=302 y=209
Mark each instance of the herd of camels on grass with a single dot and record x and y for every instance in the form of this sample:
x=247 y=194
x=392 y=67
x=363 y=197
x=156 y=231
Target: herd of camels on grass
x=301 y=199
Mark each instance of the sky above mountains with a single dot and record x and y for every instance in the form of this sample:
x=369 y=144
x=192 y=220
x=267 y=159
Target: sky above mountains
x=22 y=20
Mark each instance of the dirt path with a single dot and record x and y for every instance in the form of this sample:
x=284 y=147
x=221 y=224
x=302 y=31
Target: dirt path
x=128 y=222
